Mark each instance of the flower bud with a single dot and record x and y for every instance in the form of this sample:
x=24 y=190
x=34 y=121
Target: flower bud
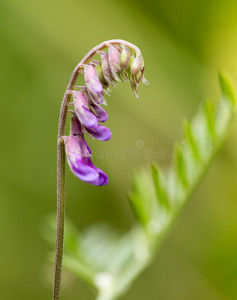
x=106 y=67
x=124 y=57
x=101 y=76
x=136 y=65
x=114 y=61
x=80 y=163
x=93 y=83
x=137 y=68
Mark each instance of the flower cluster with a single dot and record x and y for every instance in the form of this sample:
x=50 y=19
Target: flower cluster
x=117 y=64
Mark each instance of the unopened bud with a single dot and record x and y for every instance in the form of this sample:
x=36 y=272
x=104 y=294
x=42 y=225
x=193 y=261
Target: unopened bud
x=114 y=61
x=101 y=76
x=124 y=57
x=106 y=67
x=136 y=65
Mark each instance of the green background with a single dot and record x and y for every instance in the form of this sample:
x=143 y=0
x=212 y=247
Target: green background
x=184 y=44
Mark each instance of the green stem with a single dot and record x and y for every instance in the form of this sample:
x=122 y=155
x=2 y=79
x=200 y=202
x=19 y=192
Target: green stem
x=61 y=191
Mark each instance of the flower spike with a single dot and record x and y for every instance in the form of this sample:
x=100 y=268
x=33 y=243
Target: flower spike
x=117 y=64
x=79 y=161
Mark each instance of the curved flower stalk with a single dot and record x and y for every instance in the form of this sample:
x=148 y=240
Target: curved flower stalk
x=117 y=64
x=122 y=62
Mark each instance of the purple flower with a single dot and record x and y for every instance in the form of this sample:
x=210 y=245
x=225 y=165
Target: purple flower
x=93 y=84
x=100 y=113
x=85 y=116
x=100 y=132
x=119 y=64
x=79 y=161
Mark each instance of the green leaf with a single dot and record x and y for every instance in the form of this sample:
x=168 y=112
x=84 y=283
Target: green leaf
x=227 y=87
x=158 y=180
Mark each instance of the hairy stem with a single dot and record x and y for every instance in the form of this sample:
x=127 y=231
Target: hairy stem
x=61 y=191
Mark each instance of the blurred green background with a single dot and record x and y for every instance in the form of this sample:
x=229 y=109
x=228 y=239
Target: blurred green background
x=184 y=44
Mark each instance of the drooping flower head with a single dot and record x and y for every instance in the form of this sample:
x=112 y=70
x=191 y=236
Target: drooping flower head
x=122 y=62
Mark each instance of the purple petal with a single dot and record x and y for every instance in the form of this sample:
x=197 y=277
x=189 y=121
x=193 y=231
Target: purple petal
x=80 y=163
x=96 y=99
x=83 y=171
x=102 y=177
x=85 y=116
x=93 y=83
x=100 y=132
x=101 y=113
x=77 y=152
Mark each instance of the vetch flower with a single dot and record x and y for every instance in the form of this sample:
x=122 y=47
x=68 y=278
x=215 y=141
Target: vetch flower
x=119 y=63
x=85 y=116
x=93 y=84
x=78 y=157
